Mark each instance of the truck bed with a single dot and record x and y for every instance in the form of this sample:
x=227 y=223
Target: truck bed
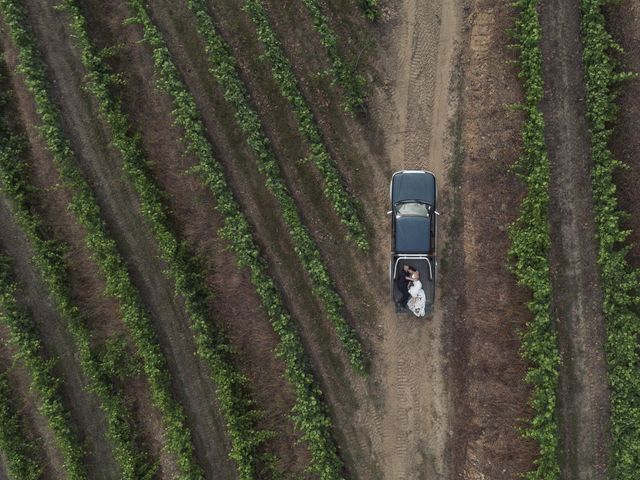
x=428 y=284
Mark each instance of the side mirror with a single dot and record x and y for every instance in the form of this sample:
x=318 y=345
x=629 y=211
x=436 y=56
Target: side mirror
x=389 y=212
x=437 y=212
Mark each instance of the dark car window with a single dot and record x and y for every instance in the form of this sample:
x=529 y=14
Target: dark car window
x=413 y=209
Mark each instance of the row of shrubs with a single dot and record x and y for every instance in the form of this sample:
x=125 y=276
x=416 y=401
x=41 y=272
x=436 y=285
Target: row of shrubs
x=309 y=412
x=223 y=67
x=530 y=243
x=49 y=259
x=620 y=282
x=237 y=407
x=284 y=76
x=344 y=73
x=105 y=252
x=18 y=452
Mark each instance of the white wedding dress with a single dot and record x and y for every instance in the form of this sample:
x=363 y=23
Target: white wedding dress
x=418 y=299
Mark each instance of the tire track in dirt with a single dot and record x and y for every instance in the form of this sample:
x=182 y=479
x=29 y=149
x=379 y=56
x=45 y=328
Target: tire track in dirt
x=412 y=351
x=120 y=209
x=583 y=403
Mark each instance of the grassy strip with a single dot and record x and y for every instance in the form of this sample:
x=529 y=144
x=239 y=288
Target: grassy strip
x=212 y=347
x=283 y=74
x=309 y=412
x=530 y=248
x=369 y=9
x=620 y=281
x=24 y=336
x=223 y=66
x=15 y=446
x=105 y=252
x=344 y=74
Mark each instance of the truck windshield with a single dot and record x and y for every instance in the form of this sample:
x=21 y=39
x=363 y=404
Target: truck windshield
x=413 y=209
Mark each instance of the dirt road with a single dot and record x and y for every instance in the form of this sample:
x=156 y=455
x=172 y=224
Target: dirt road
x=410 y=355
x=584 y=406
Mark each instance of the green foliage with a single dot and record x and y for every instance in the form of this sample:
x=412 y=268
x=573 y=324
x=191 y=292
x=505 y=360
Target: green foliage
x=24 y=336
x=18 y=451
x=369 y=9
x=212 y=347
x=530 y=249
x=49 y=258
x=344 y=74
x=283 y=74
x=223 y=66
x=620 y=282
x=117 y=361
x=309 y=411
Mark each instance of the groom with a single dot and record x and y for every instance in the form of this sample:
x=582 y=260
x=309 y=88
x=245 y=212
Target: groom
x=403 y=282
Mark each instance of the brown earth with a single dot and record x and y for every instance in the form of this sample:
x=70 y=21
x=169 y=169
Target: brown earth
x=583 y=397
x=484 y=307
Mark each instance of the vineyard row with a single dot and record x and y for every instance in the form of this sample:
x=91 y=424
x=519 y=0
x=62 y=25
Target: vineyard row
x=18 y=451
x=530 y=243
x=284 y=76
x=223 y=67
x=49 y=259
x=119 y=285
x=620 y=281
x=344 y=74
x=212 y=347
x=309 y=412
x=23 y=334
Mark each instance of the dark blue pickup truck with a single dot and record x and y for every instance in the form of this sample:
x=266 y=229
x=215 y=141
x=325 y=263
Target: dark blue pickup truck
x=413 y=232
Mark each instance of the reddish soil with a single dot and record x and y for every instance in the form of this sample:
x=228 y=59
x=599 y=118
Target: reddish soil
x=583 y=397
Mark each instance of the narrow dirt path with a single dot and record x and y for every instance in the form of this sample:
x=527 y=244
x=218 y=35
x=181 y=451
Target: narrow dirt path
x=583 y=392
x=120 y=208
x=484 y=307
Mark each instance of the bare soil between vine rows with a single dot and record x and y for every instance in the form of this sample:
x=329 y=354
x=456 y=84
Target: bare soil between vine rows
x=583 y=397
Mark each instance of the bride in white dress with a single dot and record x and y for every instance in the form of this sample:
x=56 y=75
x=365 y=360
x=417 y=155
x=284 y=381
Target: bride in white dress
x=418 y=299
